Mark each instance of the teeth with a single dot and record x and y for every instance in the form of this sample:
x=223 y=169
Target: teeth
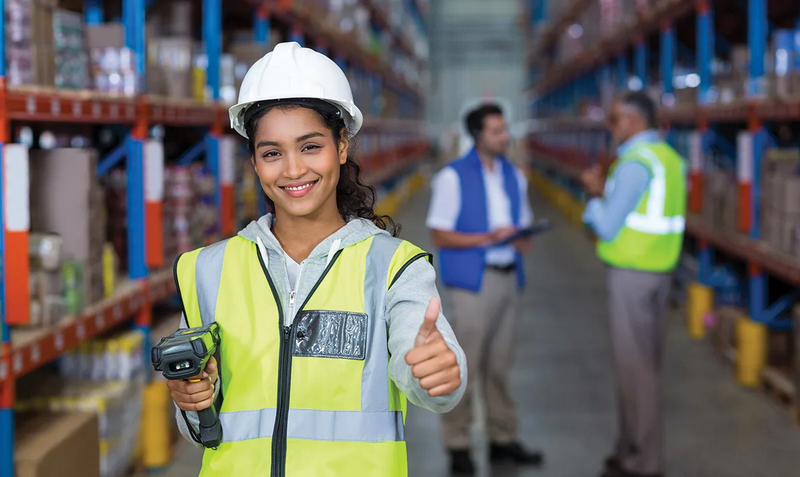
x=302 y=187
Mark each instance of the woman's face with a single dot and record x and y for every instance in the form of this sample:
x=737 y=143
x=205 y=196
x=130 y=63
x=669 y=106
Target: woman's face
x=297 y=161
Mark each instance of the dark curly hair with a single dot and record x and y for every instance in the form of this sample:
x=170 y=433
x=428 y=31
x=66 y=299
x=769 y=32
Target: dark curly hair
x=354 y=198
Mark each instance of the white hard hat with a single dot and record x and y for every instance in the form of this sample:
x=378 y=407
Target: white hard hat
x=291 y=72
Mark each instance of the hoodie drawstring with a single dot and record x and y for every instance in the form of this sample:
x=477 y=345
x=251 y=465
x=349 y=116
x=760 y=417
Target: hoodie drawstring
x=334 y=248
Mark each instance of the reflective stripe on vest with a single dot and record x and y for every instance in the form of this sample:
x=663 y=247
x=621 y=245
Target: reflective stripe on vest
x=375 y=422
x=342 y=426
x=209 y=260
x=653 y=220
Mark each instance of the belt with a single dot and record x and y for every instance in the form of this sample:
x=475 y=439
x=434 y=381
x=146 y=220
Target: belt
x=502 y=268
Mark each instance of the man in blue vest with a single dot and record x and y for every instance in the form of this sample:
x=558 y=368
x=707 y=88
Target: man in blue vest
x=478 y=203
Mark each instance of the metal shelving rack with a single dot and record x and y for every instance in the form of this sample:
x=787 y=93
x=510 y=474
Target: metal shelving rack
x=400 y=143
x=562 y=85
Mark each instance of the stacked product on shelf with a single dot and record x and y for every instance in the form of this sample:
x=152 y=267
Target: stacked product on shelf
x=780 y=200
x=112 y=63
x=781 y=81
x=116 y=358
x=105 y=378
x=247 y=187
x=170 y=67
x=47 y=281
x=189 y=210
x=71 y=58
x=45 y=45
x=720 y=199
x=30 y=57
x=67 y=200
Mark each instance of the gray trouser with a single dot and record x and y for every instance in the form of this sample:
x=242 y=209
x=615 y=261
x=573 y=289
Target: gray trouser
x=637 y=307
x=484 y=325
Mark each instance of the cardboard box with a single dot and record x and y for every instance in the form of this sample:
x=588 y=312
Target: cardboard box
x=181 y=18
x=64 y=201
x=57 y=445
x=791 y=199
x=107 y=35
x=773 y=192
x=788 y=228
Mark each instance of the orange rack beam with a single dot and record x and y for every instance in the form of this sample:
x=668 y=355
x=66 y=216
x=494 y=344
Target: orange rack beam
x=31 y=349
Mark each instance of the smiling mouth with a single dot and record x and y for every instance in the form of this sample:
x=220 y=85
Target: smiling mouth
x=300 y=187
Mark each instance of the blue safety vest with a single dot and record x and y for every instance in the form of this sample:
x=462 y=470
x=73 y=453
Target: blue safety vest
x=463 y=268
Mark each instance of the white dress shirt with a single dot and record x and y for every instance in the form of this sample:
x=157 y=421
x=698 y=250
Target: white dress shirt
x=446 y=206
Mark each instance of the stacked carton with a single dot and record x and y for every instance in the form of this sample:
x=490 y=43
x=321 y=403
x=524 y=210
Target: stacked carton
x=780 y=200
x=45 y=45
x=783 y=64
x=117 y=358
x=30 y=57
x=189 y=209
x=720 y=200
x=48 y=304
x=63 y=444
x=71 y=58
x=112 y=63
x=117 y=405
x=67 y=200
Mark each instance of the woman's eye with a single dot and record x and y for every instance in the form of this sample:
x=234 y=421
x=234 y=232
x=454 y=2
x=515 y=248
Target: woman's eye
x=270 y=155
x=309 y=147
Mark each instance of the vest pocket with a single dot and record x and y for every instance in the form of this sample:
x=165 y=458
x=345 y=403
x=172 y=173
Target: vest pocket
x=331 y=334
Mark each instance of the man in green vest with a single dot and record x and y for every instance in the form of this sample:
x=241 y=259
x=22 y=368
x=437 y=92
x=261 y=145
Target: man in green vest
x=639 y=216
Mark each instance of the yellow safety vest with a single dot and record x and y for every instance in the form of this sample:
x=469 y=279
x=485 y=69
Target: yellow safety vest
x=652 y=236
x=313 y=399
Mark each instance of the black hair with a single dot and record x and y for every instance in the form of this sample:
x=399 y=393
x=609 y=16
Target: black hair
x=644 y=105
x=354 y=198
x=475 y=118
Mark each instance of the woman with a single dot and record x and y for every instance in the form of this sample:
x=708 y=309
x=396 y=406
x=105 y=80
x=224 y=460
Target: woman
x=328 y=322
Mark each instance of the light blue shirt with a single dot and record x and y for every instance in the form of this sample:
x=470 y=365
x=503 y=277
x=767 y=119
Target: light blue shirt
x=606 y=216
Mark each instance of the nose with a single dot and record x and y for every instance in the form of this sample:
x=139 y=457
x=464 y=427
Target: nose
x=295 y=166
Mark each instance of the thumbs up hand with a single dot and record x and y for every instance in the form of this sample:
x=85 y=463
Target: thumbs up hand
x=431 y=360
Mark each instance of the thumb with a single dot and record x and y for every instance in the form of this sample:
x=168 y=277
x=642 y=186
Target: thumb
x=429 y=325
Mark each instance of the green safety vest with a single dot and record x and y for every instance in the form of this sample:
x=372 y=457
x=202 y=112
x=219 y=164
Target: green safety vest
x=314 y=399
x=652 y=236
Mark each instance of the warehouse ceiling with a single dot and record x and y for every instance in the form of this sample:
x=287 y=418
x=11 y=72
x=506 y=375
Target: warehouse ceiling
x=467 y=32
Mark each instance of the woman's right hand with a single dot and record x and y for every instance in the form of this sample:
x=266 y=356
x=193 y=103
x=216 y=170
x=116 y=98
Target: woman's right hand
x=195 y=396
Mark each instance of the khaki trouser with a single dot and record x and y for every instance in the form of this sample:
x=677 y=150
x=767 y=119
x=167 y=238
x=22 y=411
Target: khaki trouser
x=637 y=307
x=484 y=325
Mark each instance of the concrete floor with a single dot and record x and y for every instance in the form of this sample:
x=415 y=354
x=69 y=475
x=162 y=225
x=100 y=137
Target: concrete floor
x=563 y=385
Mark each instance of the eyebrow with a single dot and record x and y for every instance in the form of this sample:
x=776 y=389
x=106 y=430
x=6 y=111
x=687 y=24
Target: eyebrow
x=305 y=137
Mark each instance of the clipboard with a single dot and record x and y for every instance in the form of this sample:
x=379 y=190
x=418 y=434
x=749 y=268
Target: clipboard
x=537 y=228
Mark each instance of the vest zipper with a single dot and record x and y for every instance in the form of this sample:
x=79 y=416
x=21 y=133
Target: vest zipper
x=285 y=367
x=292 y=295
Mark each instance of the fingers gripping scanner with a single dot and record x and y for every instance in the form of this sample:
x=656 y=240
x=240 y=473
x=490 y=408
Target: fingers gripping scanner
x=184 y=355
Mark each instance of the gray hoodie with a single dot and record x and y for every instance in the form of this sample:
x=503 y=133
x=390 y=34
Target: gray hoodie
x=406 y=302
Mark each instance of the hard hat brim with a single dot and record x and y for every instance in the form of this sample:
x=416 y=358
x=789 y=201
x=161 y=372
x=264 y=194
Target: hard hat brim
x=352 y=116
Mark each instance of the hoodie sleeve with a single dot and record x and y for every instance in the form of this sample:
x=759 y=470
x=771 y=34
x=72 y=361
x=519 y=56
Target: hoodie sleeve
x=406 y=302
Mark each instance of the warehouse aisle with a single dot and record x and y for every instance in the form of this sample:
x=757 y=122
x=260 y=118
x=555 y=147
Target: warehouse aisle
x=562 y=383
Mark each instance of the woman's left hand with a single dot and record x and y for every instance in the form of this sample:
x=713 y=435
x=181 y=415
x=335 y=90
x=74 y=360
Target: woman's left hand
x=432 y=361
